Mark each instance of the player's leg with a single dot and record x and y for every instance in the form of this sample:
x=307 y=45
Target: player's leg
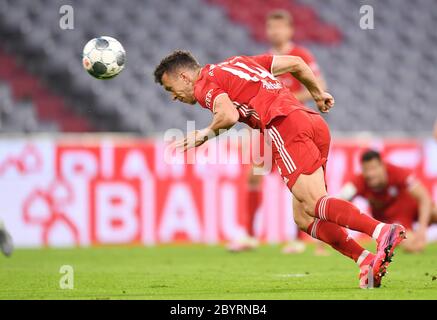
x=299 y=140
x=328 y=232
x=6 y=245
x=254 y=198
x=301 y=146
x=310 y=190
x=302 y=221
x=254 y=193
x=337 y=237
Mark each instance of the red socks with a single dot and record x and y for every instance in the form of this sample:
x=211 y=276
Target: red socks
x=345 y=214
x=336 y=237
x=254 y=201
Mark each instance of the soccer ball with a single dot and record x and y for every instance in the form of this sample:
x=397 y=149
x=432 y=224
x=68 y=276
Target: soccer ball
x=103 y=57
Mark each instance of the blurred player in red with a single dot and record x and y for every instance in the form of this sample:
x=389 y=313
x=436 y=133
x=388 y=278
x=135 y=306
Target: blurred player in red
x=245 y=89
x=279 y=31
x=395 y=195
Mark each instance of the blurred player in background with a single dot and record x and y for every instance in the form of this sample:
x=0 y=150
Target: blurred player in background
x=395 y=195
x=279 y=31
x=245 y=89
x=6 y=245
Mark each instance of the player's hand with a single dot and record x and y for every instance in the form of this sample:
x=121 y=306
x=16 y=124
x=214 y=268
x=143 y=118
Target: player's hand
x=324 y=102
x=193 y=139
x=421 y=238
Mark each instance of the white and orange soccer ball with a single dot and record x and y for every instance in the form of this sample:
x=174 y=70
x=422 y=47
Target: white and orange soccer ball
x=103 y=57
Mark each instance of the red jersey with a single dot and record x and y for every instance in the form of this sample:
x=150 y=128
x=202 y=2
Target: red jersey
x=258 y=96
x=399 y=182
x=291 y=82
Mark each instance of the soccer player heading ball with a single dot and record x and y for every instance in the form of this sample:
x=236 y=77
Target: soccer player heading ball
x=244 y=88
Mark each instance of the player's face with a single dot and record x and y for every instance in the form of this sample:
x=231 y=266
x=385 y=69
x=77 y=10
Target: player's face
x=180 y=86
x=374 y=173
x=278 y=31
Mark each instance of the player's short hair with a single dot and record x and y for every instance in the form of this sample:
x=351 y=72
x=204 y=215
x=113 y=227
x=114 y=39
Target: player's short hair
x=280 y=14
x=175 y=60
x=370 y=155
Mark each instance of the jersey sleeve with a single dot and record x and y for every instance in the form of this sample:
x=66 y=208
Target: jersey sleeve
x=207 y=92
x=265 y=60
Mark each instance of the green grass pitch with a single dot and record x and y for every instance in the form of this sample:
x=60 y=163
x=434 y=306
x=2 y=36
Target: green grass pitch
x=207 y=272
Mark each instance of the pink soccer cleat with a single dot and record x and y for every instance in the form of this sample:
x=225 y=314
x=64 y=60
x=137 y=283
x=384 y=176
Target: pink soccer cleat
x=390 y=237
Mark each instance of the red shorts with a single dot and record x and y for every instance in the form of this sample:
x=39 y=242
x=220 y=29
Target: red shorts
x=300 y=145
x=404 y=210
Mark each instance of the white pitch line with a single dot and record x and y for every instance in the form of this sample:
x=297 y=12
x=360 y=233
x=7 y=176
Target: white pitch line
x=291 y=275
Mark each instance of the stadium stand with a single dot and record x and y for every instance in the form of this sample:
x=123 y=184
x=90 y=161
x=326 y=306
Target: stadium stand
x=27 y=106
x=387 y=86
x=382 y=79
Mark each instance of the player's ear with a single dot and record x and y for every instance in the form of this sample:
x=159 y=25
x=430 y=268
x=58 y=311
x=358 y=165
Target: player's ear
x=184 y=76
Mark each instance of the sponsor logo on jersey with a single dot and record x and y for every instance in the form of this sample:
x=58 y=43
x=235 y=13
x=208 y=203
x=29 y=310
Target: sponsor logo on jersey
x=208 y=98
x=270 y=85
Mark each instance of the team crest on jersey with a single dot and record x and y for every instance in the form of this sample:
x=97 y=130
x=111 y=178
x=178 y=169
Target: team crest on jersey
x=393 y=191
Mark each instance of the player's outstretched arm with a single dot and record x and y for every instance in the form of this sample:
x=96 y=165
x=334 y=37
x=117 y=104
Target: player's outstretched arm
x=419 y=191
x=225 y=116
x=302 y=72
x=303 y=95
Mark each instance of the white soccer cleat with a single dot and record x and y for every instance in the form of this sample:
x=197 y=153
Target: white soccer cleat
x=243 y=244
x=294 y=247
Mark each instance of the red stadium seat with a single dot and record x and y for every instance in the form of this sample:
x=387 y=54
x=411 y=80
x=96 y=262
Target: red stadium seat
x=48 y=106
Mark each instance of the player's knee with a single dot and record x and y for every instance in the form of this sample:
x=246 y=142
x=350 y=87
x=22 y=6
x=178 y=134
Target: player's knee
x=309 y=199
x=309 y=206
x=303 y=222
